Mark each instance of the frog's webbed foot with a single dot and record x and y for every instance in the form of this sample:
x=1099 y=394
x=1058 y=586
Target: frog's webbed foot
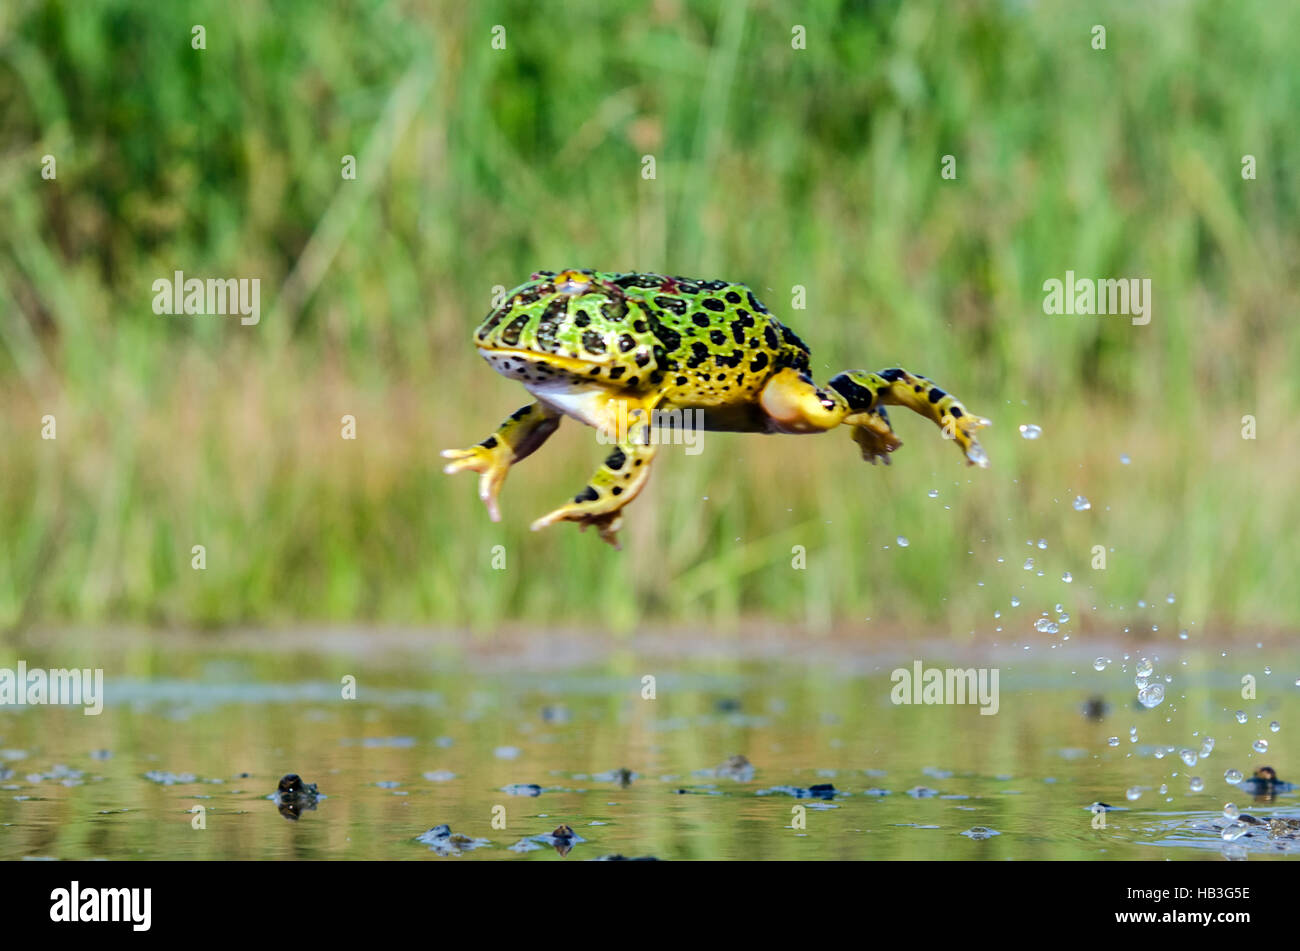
x=875 y=437
x=616 y=483
x=606 y=525
x=865 y=393
x=517 y=437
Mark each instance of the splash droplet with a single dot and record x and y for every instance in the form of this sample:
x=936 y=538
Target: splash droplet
x=1030 y=431
x=1151 y=695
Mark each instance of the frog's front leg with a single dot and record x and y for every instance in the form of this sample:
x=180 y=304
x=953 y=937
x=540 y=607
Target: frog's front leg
x=620 y=477
x=516 y=438
x=865 y=393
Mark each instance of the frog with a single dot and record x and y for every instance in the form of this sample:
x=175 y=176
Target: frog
x=623 y=351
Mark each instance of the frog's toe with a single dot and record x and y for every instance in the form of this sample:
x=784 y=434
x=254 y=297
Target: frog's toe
x=607 y=523
x=492 y=471
x=962 y=430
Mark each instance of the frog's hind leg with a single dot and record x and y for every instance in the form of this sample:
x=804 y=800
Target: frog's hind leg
x=867 y=393
x=618 y=480
x=516 y=438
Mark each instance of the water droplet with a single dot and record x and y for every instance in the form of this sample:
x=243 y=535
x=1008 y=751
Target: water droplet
x=1030 y=431
x=1029 y=564
x=1241 y=716
x=902 y=541
x=933 y=493
x=1067 y=577
x=1015 y=603
x=1064 y=617
x=1151 y=696
x=1207 y=746
x=1144 y=668
x=1188 y=756
x=1041 y=625
x=1124 y=458
x=1101 y=663
x=1235 y=831
x=1196 y=784
x=1232 y=776
x=1230 y=810
x=1042 y=543
x=1261 y=746
x=1112 y=741
x=1081 y=504
x=1132 y=793
x=1170 y=597
x=1275 y=726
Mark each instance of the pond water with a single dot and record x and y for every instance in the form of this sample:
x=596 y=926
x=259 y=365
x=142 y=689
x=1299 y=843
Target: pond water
x=508 y=740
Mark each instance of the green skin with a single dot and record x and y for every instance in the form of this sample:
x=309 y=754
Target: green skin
x=610 y=348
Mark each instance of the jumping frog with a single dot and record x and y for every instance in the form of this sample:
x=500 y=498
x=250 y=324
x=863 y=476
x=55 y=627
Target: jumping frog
x=616 y=351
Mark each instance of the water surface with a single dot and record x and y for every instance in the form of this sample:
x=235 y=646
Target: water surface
x=447 y=731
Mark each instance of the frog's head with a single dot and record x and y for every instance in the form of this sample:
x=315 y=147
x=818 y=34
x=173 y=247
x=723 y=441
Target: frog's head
x=1267 y=774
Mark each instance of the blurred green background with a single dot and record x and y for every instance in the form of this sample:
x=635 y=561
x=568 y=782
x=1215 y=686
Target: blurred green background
x=816 y=167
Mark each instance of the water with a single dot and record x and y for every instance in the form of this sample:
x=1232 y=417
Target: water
x=747 y=750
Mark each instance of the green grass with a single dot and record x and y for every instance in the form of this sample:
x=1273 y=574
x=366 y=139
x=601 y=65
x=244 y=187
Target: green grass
x=816 y=167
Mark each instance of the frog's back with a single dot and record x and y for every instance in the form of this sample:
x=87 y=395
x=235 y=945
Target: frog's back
x=698 y=342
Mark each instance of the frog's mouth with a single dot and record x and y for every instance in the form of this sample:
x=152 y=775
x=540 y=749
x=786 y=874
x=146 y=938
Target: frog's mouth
x=578 y=368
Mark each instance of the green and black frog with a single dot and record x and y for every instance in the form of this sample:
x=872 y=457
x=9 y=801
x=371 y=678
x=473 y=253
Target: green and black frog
x=613 y=350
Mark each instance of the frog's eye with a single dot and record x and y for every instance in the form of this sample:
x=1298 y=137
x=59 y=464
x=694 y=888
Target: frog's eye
x=572 y=282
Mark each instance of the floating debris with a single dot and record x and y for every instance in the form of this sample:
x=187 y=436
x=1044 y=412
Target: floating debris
x=522 y=789
x=736 y=768
x=1264 y=784
x=443 y=841
x=623 y=858
x=170 y=779
x=623 y=776
x=556 y=713
x=819 y=791
x=1095 y=708
x=293 y=796
x=563 y=839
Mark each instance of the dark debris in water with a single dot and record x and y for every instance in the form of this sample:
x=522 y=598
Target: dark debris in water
x=623 y=858
x=293 y=796
x=819 y=791
x=443 y=841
